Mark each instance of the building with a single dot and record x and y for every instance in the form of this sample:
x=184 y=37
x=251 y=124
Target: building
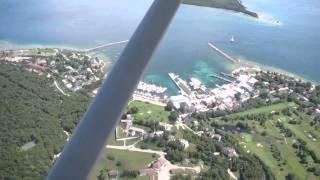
x=126 y=123
x=216 y=153
x=133 y=131
x=195 y=123
x=185 y=143
x=252 y=81
x=217 y=137
x=158 y=133
x=229 y=152
x=159 y=164
x=113 y=174
x=171 y=138
x=151 y=173
x=178 y=100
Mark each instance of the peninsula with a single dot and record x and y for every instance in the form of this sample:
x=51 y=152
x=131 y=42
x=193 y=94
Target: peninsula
x=234 y=5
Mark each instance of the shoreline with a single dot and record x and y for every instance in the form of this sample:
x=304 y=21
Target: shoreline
x=242 y=63
x=265 y=68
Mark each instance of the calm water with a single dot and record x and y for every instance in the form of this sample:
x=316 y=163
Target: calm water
x=293 y=46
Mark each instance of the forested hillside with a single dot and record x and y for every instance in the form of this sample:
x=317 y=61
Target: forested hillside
x=33 y=116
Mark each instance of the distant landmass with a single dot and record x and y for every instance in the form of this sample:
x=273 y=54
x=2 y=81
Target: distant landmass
x=234 y=5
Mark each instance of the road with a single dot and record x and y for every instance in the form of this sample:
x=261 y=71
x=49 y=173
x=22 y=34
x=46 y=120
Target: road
x=56 y=84
x=134 y=149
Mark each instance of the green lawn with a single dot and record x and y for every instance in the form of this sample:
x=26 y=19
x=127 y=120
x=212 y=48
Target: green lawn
x=264 y=153
x=303 y=131
x=129 y=161
x=289 y=161
x=112 y=140
x=267 y=109
x=149 y=112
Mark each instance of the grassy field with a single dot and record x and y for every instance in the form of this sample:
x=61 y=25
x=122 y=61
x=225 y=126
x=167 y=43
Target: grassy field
x=129 y=161
x=149 y=112
x=267 y=109
x=121 y=134
x=112 y=140
x=304 y=131
x=255 y=142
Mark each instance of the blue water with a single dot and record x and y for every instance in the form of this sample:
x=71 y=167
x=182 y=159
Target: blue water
x=293 y=46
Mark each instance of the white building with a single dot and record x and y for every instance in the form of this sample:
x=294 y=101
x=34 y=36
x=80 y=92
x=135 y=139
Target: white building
x=177 y=100
x=134 y=131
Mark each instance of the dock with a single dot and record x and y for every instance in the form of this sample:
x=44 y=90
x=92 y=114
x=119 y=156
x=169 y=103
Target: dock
x=221 y=78
x=181 y=84
x=227 y=75
x=105 y=45
x=225 y=55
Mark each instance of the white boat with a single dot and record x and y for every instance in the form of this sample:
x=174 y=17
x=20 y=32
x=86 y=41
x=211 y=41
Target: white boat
x=232 y=39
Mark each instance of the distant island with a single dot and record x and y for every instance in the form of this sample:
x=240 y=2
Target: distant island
x=234 y=5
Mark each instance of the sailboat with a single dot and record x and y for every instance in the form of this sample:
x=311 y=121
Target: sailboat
x=232 y=39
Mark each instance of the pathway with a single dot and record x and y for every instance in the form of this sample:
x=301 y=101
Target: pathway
x=134 y=149
x=56 y=84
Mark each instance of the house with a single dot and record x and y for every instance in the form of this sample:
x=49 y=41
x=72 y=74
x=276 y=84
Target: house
x=252 y=81
x=37 y=67
x=133 y=131
x=216 y=153
x=186 y=162
x=126 y=123
x=159 y=164
x=229 y=152
x=185 y=143
x=178 y=100
x=166 y=126
x=113 y=174
x=275 y=99
x=158 y=133
x=195 y=123
x=42 y=62
x=171 y=138
x=217 y=137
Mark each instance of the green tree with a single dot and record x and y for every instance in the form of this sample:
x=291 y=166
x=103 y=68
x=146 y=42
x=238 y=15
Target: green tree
x=102 y=174
x=133 y=110
x=173 y=116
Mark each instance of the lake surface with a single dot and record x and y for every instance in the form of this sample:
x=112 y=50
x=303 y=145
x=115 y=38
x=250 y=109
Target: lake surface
x=292 y=45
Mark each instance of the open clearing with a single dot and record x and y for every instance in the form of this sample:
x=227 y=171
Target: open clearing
x=149 y=112
x=129 y=161
x=273 y=142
